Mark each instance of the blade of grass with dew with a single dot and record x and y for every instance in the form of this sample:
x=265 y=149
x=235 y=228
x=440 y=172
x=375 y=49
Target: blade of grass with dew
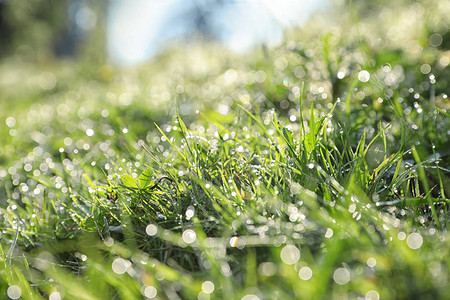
x=426 y=186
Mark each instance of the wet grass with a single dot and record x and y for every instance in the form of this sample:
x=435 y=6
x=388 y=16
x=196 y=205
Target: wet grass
x=319 y=169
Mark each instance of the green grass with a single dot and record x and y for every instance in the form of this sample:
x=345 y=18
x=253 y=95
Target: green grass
x=278 y=174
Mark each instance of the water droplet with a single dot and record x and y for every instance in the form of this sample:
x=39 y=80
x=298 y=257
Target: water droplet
x=160 y=276
x=364 y=76
x=10 y=122
x=435 y=40
x=233 y=241
x=290 y=254
x=329 y=233
x=151 y=229
x=109 y=241
x=267 y=269
x=414 y=240
x=287 y=82
x=425 y=68
x=120 y=265
x=190 y=212
x=90 y=132
x=189 y=236
x=371 y=262
x=305 y=273
x=55 y=296
x=372 y=295
x=341 y=276
x=352 y=208
x=149 y=291
x=208 y=287
x=14 y=292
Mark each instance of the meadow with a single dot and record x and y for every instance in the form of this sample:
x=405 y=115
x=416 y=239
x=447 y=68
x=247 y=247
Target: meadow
x=318 y=169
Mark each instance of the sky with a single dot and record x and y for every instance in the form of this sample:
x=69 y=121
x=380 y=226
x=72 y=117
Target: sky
x=138 y=29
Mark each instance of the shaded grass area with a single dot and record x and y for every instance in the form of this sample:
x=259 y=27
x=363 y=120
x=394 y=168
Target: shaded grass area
x=288 y=173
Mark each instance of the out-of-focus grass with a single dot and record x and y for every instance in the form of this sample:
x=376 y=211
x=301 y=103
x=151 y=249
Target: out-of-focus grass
x=287 y=173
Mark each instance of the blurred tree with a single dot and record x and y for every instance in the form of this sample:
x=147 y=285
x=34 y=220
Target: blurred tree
x=5 y=30
x=40 y=29
x=29 y=27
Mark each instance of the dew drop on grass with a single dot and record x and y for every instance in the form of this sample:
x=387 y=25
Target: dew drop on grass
x=414 y=240
x=14 y=292
x=372 y=295
x=190 y=212
x=160 y=276
x=341 y=276
x=90 y=132
x=371 y=262
x=120 y=265
x=352 y=208
x=208 y=287
x=329 y=233
x=10 y=122
x=305 y=273
x=189 y=236
x=233 y=241
x=364 y=76
x=55 y=296
x=290 y=254
x=109 y=241
x=267 y=268
x=149 y=291
x=151 y=229
x=425 y=69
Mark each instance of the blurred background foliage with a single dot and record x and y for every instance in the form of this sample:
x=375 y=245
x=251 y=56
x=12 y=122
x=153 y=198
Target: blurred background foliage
x=41 y=31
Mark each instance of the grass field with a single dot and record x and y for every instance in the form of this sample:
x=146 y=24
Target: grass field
x=315 y=170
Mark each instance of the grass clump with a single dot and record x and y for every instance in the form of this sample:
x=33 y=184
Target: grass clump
x=318 y=169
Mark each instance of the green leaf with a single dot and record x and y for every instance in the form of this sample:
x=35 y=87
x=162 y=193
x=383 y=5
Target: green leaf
x=145 y=179
x=88 y=224
x=129 y=182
